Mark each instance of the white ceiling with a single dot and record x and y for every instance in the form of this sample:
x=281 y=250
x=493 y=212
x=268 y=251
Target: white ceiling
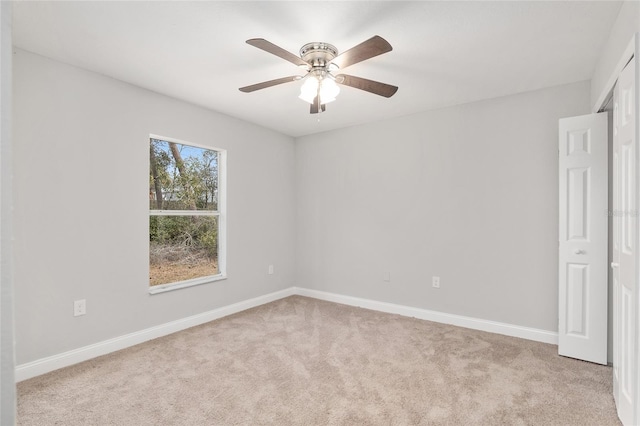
x=444 y=53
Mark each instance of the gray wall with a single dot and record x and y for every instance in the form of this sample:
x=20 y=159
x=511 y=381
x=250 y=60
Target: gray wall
x=7 y=387
x=81 y=199
x=468 y=193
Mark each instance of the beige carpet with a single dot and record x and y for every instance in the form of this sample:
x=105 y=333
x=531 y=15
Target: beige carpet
x=303 y=361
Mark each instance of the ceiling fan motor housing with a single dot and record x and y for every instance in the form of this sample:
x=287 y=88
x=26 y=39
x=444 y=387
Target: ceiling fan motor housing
x=318 y=54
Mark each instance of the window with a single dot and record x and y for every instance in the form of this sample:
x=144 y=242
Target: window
x=186 y=214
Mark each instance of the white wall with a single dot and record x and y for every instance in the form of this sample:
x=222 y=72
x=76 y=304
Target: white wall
x=626 y=25
x=7 y=387
x=81 y=199
x=468 y=193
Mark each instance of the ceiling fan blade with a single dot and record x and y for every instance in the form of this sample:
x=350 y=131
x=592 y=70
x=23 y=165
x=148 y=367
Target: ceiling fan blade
x=375 y=46
x=267 y=46
x=315 y=106
x=269 y=83
x=375 y=87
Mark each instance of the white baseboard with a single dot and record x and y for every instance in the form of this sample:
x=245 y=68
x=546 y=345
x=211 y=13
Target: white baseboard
x=535 y=334
x=65 y=359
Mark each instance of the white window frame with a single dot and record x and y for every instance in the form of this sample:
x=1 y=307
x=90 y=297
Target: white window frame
x=221 y=213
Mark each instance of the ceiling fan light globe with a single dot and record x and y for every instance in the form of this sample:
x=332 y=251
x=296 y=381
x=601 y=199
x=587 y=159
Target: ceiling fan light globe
x=310 y=84
x=328 y=90
x=307 y=98
x=309 y=90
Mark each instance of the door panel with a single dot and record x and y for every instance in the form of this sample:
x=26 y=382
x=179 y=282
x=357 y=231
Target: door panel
x=627 y=347
x=578 y=209
x=577 y=276
x=583 y=238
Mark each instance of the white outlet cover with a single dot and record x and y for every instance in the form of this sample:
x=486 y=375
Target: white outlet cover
x=79 y=307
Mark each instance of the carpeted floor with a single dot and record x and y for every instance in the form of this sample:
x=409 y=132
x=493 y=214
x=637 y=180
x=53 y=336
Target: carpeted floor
x=302 y=361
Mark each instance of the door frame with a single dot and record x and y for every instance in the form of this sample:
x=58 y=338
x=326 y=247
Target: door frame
x=632 y=50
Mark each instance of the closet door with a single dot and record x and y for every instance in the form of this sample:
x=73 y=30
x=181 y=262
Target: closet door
x=583 y=236
x=625 y=250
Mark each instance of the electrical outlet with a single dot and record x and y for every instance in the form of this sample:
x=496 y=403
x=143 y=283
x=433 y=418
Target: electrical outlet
x=270 y=269
x=387 y=276
x=435 y=282
x=79 y=307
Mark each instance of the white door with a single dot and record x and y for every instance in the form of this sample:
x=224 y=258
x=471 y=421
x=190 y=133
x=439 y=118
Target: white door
x=582 y=328
x=624 y=246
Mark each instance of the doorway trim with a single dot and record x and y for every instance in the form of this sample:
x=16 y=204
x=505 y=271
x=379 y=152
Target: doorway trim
x=629 y=52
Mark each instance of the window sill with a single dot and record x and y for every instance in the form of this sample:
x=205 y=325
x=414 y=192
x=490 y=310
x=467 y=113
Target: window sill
x=163 y=288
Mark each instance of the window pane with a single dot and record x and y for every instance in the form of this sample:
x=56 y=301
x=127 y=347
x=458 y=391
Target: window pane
x=182 y=177
x=182 y=248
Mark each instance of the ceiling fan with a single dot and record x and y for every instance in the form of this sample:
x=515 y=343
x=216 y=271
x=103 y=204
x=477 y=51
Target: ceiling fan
x=321 y=60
